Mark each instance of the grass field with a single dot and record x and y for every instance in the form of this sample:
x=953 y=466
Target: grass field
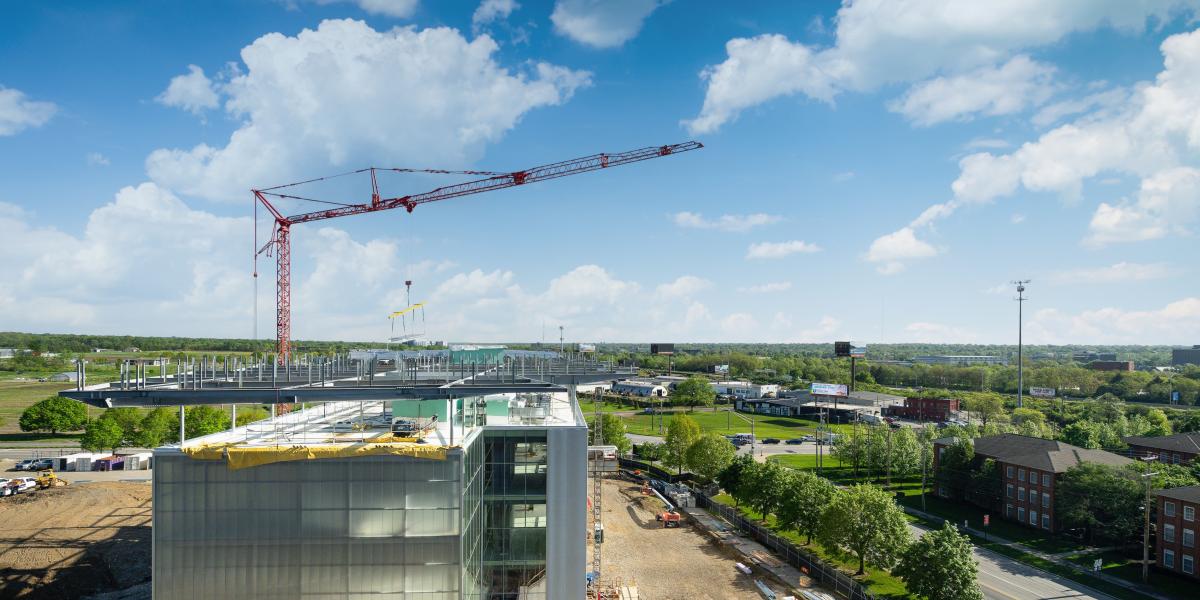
x=724 y=423
x=16 y=396
x=877 y=581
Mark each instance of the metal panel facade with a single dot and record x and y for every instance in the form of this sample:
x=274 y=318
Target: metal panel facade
x=383 y=527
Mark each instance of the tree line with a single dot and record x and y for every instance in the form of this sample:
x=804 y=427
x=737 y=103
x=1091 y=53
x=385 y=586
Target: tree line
x=862 y=521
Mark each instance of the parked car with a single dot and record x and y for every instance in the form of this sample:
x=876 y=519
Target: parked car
x=771 y=441
x=42 y=464
x=795 y=441
x=809 y=438
x=649 y=410
x=25 y=465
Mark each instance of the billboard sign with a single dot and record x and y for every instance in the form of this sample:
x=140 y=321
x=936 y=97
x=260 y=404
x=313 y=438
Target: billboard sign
x=858 y=351
x=841 y=348
x=830 y=389
x=587 y=347
x=662 y=348
x=1175 y=397
x=1041 y=392
x=721 y=369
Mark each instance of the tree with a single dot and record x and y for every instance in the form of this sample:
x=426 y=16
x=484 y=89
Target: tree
x=954 y=467
x=766 y=484
x=906 y=452
x=1103 y=500
x=851 y=448
x=204 y=420
x=158 y=427
x=104 y=433
x=709 y=455
x=985 y=406
x=613 y=433
x=692 y=392
x=54 y=414
x=940 y=566
x=649 y=451
x=1081 y=433
x=865 y=521
x=732 y=478
x=251 y=414
x=681 y=433
x=803 y=502
x=130 y=421
x=1157 y=423
x=1024 y=415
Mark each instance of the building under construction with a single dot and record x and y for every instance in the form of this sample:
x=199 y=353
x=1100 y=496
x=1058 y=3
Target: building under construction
x=412 y=477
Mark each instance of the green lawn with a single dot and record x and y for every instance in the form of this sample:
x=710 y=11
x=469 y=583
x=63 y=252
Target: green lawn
x=589 y=408
x=16 y=396
x=1130 y=569
x=877 y=581
x=724 y=423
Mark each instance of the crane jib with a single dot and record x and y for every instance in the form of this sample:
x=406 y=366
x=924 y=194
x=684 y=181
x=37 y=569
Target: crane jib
x=495 y=181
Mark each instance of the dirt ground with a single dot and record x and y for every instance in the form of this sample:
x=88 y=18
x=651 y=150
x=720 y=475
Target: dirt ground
x=74 y=541
x=665 y=564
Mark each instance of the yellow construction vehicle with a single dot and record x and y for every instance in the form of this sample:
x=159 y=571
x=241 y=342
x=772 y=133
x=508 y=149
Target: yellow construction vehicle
x=47 y=479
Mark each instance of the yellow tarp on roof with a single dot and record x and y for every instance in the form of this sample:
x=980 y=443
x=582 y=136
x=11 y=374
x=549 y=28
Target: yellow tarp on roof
x=242 y=457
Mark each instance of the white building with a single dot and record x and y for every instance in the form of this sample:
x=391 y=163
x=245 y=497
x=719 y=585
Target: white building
x=638 y=387
x=745 y=389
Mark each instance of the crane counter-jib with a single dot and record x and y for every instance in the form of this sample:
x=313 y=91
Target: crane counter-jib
x=280 y=238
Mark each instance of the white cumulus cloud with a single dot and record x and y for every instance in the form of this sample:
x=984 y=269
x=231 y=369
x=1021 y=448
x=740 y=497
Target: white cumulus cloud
x=341 y=96
x=18 y=112
x=683 y=287
x=193 y=92
x=879 y=42
x=767 y=288
x=734 y=223
x=991 y=90
x=1176 y=323
x=891 y=250
x=492 y=10
x=780 y=249
x=1122 y=272
x=400 y=9
x=601 y=23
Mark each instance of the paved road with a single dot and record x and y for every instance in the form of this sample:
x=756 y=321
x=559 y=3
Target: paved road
x=1003 y=578
x=1000 y=577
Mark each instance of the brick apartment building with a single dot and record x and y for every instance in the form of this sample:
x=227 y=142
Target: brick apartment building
x=925 y=409
x=1178 y=513
x=1029 y=470
x=1180 y=448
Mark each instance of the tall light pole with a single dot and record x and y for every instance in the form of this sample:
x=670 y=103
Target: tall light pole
x=1020 y=330
x=1148 y=476
x=560 y=339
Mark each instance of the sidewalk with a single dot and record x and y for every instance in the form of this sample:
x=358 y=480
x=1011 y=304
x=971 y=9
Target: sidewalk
x=1058 y=559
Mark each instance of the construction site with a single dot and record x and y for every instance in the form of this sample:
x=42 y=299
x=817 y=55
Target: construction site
x=389 y=473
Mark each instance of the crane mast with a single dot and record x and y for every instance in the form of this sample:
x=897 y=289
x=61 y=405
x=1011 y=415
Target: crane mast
x=279 y=243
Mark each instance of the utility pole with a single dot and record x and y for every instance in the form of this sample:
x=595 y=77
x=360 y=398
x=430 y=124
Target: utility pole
x=560 y=339
x=1020 y=328
x=1148 y=475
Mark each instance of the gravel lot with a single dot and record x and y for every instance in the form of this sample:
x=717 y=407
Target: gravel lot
x=665 y=564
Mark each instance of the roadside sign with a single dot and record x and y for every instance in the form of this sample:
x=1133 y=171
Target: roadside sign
x=1097 y=564
x=986 y=520
x=1041 y=392
x=858 y=351
x=1175 y=397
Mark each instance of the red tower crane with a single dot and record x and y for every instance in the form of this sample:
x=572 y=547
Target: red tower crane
x=280 y=241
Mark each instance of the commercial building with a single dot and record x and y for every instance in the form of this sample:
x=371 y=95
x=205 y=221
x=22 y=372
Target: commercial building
x=639 y=387
x=418 y=482
x=801 y=403
x=1086 y=357
x=745 y=389
x=1185 y=356
x=925 y=409
x=960 y=360
x=1176 y=528
x=1180 y=448
x=1029 y=471
x=1111 y=365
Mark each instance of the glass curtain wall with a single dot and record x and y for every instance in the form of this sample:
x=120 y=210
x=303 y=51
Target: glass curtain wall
x=514 y=500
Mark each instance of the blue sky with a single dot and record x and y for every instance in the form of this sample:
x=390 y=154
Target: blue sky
x=872 y=171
